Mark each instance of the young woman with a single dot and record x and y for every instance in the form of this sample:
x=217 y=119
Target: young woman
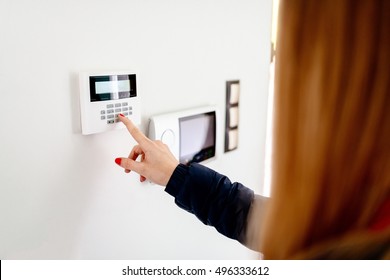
x=331 y=167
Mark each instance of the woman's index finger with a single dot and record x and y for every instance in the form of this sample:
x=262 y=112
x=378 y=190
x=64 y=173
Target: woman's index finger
x=134 y=131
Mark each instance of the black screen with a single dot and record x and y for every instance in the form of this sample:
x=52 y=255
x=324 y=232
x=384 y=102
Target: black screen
x=112 y=87
x=197 y=138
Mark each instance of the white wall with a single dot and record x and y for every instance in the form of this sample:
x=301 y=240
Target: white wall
x=61 y=194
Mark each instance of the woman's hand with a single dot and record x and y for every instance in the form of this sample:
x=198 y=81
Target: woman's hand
x=156 y=163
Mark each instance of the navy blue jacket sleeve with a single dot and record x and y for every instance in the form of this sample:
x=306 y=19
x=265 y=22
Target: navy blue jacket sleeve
x=212 y=198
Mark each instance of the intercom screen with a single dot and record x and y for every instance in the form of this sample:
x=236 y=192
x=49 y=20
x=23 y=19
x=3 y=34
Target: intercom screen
x=112 y=87
x=197 y=138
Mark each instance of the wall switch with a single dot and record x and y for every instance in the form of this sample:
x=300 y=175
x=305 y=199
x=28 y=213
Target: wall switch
x=232 y=115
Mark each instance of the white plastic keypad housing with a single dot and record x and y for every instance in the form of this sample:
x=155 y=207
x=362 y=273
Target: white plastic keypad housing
x=100 y=116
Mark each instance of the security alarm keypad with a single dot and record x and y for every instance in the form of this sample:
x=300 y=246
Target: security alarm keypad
x=103 y=96
x=110 y=114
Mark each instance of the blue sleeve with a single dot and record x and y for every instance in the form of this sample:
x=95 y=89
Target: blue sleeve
x=212 y=198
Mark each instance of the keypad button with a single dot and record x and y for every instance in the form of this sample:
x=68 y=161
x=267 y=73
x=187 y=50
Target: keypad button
x=102 y=117
x=102 y=112
x=125 y=113
x=110 y=106
x=131 y=108
x=125 y=104
x=118 y=110
x=130 y=113
x=110 y=121
x=125 y=109
x=110 y=117
x=117 y=105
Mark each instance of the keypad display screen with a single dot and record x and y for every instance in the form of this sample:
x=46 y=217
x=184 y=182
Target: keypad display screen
x=112 y=87
x=197 y=138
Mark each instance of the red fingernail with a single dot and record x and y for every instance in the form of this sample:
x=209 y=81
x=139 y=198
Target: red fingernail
x=118 y=161
x=121 y=115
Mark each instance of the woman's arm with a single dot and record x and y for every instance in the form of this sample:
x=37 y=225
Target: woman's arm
x=231 y=208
